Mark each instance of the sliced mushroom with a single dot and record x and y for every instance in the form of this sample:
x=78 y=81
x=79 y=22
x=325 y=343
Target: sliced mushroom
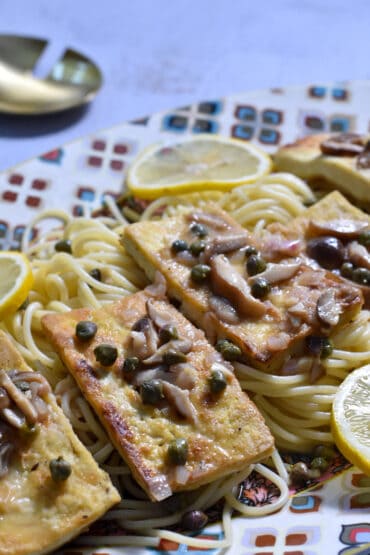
x=157 y=373
x=224 y=310
x=275 y=273
x=227 y=282
x=159 y=286
x=143 y=338
x=6 y=450
x=359 y=255
x=343 y=229
x=344 y=144
x=181 y=400
x=328 y=309
x=159 y=316
x=213 y=221
x=18 y=398
x=225 y=243
x=181 y=345
x=185 y=375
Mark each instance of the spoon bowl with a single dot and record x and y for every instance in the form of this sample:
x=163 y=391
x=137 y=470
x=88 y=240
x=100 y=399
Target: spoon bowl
x=72 y=81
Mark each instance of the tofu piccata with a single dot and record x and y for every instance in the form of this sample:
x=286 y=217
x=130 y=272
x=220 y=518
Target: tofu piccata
x=51 y=489
x=169 y=402
x=260 y=291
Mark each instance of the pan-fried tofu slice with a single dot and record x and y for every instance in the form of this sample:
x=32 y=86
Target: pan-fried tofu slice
x=265 y=312
x=344 y=164
x=42 y=506
x=171 y=405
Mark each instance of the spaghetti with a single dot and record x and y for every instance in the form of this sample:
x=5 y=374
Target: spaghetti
x=296 y=410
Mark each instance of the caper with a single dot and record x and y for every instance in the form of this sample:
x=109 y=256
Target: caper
x=23 y=385
x=179 y=245
x=361 y=276
x=131 y=364
x=327 y=251
x=325 y=451
x=60 y=469
x=86 y=330
x=346 y=269
x=217 y=381
x=96 y=274
x=194 y=520
x=63 y=245
x=173 y=357
x=106 y=354
x=260 y=288
x=199 y=229
x=364 y=238
x=197 y=247
x=151 y=392
x=255 y=265
x=320 y=463
x=228 y=350
x=249 y=250
x=200 y=272
x=178 y=451
x=167 y=333
x=319 y=346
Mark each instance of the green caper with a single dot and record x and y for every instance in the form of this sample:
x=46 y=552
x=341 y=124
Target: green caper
x=228 y=350
x=151 y=392
x=364 y=238
x=361 y=276
x=194 y=520
x=319 y=463
x=96 y=274
x=64 y=245
x=86 y=330
x=60 y=469
x=327 y=348
x=260 y=288
x=178 y=451
x=249 y=250
x=217 y=381
x=179 y=245
x=325 y=451
x=346 y=270
x=106 y=354
x=200 y=272
x=23 y=385
x=199 y=229
x=197 y=247
x=174 y=357
x=131 y=364
x=319 y=346
x=167 y=333
x=255 y=265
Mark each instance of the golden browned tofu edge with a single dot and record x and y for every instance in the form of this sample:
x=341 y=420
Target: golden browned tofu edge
x=62 y=511
x=304 y=159
x=258 y=441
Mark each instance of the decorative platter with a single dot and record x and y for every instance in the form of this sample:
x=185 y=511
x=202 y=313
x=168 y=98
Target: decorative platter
x=331 y=519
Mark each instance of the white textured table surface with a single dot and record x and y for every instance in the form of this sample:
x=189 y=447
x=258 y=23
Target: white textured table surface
x=158 y=54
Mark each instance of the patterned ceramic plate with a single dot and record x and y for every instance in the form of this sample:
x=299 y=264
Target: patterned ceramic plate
x=333 y=518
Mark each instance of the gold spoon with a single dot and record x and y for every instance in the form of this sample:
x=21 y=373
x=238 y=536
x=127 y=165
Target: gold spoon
x=72 y=81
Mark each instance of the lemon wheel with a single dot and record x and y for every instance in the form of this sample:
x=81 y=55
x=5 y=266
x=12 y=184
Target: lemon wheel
x=202 y=161
x=351 y=418
x=16 y=280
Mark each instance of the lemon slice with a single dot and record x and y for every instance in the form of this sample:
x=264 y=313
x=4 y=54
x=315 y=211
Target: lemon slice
x=351 y=418
x=201 y=161
x=15 y=281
